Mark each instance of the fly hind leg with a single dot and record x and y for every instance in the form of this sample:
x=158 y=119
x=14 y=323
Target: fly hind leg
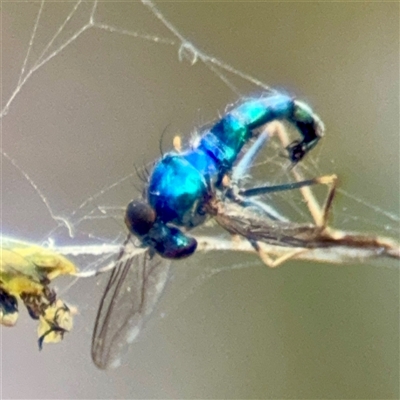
x=272 y=262
x=319 y=214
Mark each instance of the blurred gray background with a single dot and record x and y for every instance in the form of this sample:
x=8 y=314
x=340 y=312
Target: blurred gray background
x=98 y=108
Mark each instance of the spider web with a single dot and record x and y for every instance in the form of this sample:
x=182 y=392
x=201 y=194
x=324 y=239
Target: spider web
x=96 y=219
x=88 y=88
x=80 y=19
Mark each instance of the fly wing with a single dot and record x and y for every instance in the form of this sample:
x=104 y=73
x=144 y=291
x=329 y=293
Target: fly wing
x=135 y=285
x=255 y=225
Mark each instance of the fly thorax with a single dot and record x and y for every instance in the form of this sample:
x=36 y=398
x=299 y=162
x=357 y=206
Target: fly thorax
x=177 y=191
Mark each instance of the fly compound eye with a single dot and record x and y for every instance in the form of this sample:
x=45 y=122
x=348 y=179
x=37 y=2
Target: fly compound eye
x=139 y=217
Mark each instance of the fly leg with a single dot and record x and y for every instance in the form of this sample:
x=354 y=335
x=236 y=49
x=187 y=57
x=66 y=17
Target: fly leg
x=239 y=172
x=276 y=128
x=323 y=214
x=319 y=214
x=242 y=198
x=275 y=262
x=247 y=160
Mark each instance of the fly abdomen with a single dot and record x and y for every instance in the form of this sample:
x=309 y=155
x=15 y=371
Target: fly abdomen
x=224 y=141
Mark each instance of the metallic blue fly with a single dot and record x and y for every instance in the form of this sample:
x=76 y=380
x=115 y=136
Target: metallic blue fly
x=181 y=189
x=181 y=184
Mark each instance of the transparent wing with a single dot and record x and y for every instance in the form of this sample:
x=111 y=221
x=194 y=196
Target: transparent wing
x=255 y=225
x=135 y=285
